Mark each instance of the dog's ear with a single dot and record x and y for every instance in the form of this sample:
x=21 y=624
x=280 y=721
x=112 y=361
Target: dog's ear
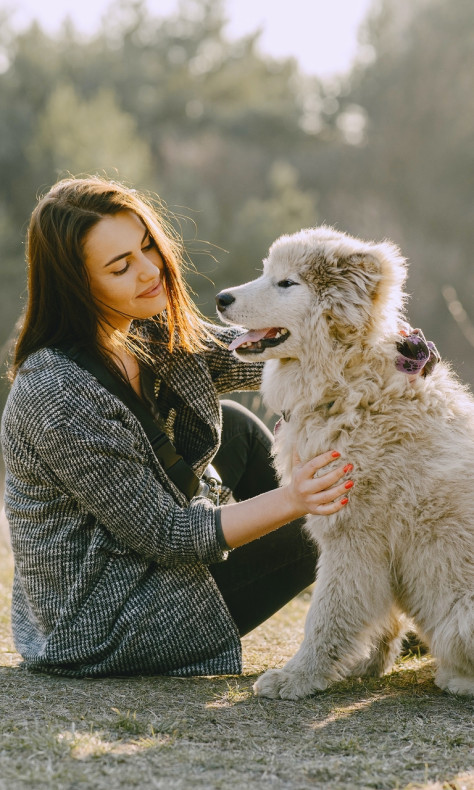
x=368 y=287
x=356 y=278
x=364 y=269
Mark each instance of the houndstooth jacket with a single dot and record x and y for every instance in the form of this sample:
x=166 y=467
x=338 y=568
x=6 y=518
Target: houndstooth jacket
x=111 y=561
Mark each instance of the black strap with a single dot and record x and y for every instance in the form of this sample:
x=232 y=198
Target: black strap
x=174 y=464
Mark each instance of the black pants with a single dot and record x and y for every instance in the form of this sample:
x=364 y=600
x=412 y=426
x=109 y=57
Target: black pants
x=259 y=578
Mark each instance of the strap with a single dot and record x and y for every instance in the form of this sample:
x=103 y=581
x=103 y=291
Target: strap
x=174 y=464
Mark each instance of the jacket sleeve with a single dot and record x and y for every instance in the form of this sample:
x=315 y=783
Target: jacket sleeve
x=110 y=479
x=228 y=372
x=93 y=452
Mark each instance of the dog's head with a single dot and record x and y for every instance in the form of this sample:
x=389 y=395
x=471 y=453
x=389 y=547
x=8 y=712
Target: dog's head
x=319 y=281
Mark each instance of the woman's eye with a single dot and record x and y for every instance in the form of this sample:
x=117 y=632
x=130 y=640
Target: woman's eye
x=122 y=271
x=149 y=245
x=286 y=283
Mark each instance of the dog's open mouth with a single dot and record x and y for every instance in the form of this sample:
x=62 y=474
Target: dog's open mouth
x=257 y=340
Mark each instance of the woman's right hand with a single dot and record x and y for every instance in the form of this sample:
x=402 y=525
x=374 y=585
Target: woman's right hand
x=250 y=519
x=322 y=494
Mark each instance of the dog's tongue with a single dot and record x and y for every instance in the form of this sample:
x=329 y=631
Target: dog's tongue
x=249 y=337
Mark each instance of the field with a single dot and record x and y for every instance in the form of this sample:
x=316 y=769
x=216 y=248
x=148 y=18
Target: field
x=397 y=733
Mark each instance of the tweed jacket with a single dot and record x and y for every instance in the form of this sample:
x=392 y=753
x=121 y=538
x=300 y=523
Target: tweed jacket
x=111 y=561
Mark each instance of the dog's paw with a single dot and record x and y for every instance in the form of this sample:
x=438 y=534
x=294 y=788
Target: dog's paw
x=455 y=684
x=287 y=684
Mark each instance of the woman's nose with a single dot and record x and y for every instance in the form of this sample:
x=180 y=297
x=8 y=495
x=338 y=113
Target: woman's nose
x=149 y=269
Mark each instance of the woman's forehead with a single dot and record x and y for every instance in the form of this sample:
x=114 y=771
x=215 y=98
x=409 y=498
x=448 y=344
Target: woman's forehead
x=113 y=235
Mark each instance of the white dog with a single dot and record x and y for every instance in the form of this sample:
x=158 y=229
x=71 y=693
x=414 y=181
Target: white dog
x=326 y=314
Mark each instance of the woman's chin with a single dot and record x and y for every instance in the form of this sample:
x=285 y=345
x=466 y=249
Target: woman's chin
x=155 y=307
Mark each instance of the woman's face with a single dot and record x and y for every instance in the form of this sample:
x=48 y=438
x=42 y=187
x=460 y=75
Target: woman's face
x=125 y=269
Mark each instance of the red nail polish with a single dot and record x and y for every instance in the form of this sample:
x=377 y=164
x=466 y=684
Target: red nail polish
x=349 y=484
x=335 y=454
x=344 y=501
x=348 y=468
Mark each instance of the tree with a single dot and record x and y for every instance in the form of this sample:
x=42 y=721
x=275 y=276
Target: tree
x=419 y=156
x=74 y=135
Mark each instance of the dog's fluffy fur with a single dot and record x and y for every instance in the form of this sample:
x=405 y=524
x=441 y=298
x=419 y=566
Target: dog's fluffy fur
x=404 y=543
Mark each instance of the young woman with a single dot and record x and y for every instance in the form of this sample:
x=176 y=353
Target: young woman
x=116 y=570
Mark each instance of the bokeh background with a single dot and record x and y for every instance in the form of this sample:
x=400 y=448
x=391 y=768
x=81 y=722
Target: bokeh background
x=248 y=132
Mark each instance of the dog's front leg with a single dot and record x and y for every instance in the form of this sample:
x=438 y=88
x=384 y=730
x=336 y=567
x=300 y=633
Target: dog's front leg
x=351 y=594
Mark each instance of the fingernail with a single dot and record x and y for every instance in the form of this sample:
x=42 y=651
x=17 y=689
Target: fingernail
x=344 y=501
x=348 y=468
x=349 y=484
x=335 y=454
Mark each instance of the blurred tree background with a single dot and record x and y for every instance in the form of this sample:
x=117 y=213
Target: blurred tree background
x=243 y=147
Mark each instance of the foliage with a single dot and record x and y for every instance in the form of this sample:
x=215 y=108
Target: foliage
x=418 y=158
x=243 y=147
x=74 y=135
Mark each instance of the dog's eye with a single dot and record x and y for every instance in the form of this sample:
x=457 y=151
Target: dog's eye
x=286 y=283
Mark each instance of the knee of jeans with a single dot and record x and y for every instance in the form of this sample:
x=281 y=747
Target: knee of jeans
x=238 y=419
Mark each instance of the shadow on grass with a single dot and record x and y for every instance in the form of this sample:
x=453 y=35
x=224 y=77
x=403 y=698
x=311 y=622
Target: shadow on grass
x=396 y=732
x=162 y=732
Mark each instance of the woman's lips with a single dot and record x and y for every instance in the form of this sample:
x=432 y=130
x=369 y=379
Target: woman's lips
x=151 y=291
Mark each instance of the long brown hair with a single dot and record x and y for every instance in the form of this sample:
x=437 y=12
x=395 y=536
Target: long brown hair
x=60 y=307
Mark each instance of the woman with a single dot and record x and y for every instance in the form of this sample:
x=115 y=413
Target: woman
x=116 y=570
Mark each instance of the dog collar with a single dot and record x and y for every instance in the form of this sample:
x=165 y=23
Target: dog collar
x=415 y=355
x=286 y=414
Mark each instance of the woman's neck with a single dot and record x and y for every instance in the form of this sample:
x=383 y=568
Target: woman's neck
x=112 y=338
x=113 y=343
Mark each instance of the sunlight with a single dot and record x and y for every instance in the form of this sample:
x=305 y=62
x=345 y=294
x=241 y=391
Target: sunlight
x=231 y=696
x=464 y=781
x=325 y=44
x=84 y=745
x=343 y=713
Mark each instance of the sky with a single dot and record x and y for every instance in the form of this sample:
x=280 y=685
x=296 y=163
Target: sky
x=321 y=34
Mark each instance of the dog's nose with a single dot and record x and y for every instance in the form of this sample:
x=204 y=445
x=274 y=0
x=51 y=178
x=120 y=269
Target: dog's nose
x=224 y=299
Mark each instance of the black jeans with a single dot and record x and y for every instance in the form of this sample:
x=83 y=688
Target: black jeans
x=259 y=578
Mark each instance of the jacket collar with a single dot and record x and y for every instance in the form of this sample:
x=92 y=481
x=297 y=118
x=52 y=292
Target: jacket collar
x=187 y=374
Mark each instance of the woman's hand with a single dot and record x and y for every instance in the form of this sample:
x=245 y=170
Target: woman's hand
x=416 y=355
x=319 y=494
x=305 y=493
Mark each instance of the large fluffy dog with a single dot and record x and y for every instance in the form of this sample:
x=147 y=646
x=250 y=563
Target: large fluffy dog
x=326 y=314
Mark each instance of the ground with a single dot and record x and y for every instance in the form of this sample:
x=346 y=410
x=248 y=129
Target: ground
x=396 y=733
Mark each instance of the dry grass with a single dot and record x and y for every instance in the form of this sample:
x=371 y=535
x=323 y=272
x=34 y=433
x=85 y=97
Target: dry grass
x=61 y=734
